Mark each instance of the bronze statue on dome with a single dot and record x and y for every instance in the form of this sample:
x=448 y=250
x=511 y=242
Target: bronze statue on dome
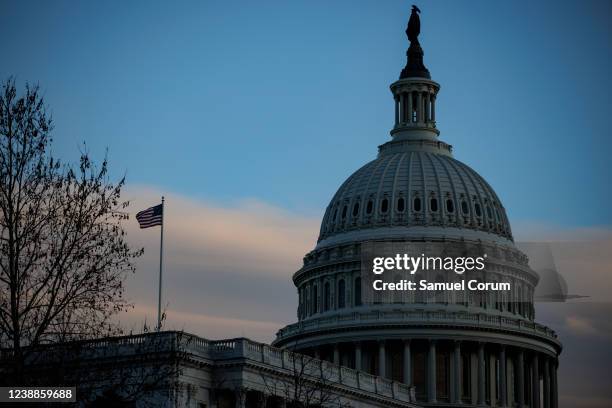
x=414 y=66
x=414 y=25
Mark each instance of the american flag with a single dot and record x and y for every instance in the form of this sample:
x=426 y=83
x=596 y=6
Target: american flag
x=151 y=216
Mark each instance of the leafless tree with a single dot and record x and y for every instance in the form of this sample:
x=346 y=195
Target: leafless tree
x=307 y=383
x=146 y=375
x=63 y=250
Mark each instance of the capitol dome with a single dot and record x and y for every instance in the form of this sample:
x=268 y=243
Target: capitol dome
x=452 y=348
x=411 y=185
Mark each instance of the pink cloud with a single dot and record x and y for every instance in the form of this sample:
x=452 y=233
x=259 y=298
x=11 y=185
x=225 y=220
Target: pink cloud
x=580 y=326
x=249 y=235
x=227 y=269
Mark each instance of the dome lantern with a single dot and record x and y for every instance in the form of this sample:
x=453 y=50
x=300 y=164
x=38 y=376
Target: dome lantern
x=415 y=93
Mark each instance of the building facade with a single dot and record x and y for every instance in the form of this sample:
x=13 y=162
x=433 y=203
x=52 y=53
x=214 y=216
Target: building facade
x=177 y=369
x=457 y=348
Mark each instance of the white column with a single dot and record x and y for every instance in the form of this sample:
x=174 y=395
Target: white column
x=457 y=373
x=409 y=119
x=419 y=107
x=336 y=354
x=397 y=109
x=503 y=386
x=433 y=107
x=407 y=363
x=546 y=374
x=536 y=381
x=554 y=395
x=333 y=283
x=481 y=374
x=521 y=378
x=382 y=359
x=427 y=108
x=431 y=372
x=321 y=293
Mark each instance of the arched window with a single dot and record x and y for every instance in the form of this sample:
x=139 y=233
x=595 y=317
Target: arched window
x=369 y=207
x=464 y=207
x=341 y=294
x=400 y=205
x=355 y=209
x=315 y=300
x=433 y=204
x=344 y=212
x=357 y=292
x=335 y=214
x=416 y=204
x=489 y=213
x=384 y=206
x=326 y=297
x=450 y=206
x=477 y=209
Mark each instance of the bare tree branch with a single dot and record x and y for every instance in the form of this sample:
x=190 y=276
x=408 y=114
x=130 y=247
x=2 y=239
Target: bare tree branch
x=63 y=250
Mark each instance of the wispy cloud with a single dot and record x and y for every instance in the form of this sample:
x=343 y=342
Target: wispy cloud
x=580 y=326
x=249 y=236
x=227 y=268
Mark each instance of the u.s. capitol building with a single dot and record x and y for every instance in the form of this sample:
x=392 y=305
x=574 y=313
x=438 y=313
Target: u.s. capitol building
x=455 y=348
x=451 y=349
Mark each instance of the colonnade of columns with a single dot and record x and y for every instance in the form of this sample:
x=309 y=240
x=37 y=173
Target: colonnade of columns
x=456 y=372
x=415 y=107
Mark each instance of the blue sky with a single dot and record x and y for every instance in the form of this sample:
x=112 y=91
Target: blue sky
x=281 y=101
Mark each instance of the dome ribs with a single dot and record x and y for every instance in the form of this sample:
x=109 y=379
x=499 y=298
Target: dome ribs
x=393 y=213
x=409 y=175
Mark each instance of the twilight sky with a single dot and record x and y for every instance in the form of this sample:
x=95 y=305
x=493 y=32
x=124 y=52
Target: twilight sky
x=248 y=116
x=281 y=101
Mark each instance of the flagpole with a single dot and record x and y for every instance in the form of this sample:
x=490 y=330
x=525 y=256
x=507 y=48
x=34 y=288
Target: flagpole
x=161 y=257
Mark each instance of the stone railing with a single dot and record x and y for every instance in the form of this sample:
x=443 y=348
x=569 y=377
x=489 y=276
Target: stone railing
x=189 y=345
x=417 y=317
x=319 y=370
x=288 y=362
